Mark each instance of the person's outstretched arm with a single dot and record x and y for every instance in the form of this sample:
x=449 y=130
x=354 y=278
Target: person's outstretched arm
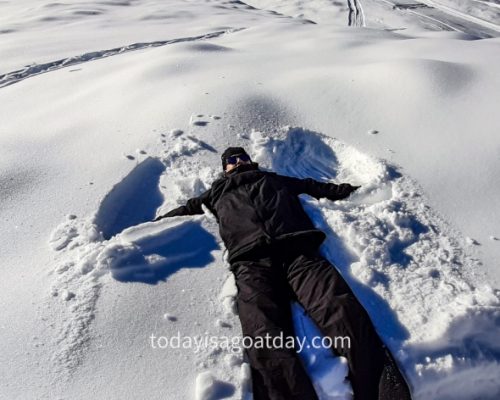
x=192 y=207
x=319 y=190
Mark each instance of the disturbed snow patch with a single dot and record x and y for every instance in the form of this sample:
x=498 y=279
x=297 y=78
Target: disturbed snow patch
x=119 y=239
x=407 y=266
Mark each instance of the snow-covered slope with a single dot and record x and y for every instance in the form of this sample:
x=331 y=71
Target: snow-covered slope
x=125 y=116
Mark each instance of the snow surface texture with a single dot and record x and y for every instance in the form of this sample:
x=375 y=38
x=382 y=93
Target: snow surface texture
x=121 y=114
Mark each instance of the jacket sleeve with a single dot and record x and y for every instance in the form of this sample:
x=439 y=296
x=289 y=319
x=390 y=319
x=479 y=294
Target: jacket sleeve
x=192 y=207
x=319 y=190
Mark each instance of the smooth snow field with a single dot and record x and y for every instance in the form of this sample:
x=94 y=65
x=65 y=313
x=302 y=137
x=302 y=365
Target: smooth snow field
x=115 y=111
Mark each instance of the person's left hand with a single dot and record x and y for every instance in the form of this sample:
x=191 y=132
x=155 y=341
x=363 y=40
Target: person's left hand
x=341 y=191
x=346 y=189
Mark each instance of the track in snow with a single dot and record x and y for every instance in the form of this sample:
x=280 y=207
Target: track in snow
x=37 y=69
x=356 y=14
x=445 y=18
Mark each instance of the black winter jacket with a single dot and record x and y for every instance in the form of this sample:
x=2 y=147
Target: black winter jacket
x=257 y=210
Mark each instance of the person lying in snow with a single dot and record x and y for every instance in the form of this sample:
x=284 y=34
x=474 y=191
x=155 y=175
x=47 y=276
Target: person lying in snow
x=273 y=252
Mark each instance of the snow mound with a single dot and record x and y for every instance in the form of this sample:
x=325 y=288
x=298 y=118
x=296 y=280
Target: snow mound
x=209 y=388
x=423 y=78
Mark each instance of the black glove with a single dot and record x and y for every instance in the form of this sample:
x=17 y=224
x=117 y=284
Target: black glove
x=343 y=191
x=182 y=210
x=347 y=189
x=351 y=187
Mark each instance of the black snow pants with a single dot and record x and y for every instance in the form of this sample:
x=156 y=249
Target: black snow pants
x=266 y=286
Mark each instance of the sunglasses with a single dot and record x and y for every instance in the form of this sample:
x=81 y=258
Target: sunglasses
x=234 y=159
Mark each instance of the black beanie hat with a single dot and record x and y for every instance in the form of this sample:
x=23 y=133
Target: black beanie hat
x=231 y=151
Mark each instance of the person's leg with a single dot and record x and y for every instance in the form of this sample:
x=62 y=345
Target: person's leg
x=264 y=308
x=327 y=298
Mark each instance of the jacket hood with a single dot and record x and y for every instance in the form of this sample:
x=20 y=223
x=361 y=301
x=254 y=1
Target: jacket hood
x=241 y=168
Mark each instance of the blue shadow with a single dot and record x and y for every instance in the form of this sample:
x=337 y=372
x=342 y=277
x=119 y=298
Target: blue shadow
x=303 y=154
x=132 y=201
x=187 y=245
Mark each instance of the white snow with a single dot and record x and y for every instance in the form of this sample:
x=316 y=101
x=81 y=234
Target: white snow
x=114 y=112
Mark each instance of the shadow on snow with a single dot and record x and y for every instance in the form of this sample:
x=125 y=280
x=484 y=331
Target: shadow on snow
x=132 y=201
x=154 y=259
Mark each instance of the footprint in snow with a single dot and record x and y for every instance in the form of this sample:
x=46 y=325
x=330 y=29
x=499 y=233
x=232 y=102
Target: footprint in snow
x=175 y=133
x=197 y=120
